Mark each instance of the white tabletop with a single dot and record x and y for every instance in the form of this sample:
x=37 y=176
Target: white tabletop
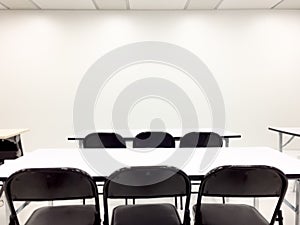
x=287 y=130
x=192 y=159
x=8 y=133
x=173 y=131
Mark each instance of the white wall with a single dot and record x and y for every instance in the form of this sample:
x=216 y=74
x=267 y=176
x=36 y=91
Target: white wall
x=253 y=55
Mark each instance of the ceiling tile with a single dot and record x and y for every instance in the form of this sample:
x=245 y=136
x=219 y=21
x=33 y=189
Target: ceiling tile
x=203 y=4
x=248 y=4
x=65 y=4
x=157 y=4
x=111 y=4
x=289 y=4
x=18 y=4
x=2 y=6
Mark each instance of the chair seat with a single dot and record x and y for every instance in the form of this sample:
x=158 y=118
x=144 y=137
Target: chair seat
x=64 y=215
x=229 y=214
x=150 y=214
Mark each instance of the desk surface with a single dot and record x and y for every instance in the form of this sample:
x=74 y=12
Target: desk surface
x=8 y=133
x=295 y=131
x=174 y=132
x=49 y=158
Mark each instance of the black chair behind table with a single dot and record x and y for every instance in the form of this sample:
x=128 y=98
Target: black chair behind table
x=104 y=140
x=53 y=184
x=240 y=181
x=153 y=139
x=144 y=183
x=10 y=150
x=201 y=140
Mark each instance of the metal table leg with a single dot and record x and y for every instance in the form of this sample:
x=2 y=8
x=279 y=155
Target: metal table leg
x=3 y=202
x=226 y=142
x=256 y=203
x=280 y=142
x=297 y=214
x=80 y=143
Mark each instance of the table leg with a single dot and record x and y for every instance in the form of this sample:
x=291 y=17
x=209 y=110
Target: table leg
x=19 y=143
x=297 y=214
x=80 y=143
x=226 y=142
x=1 y=193
x=280 y=142
x=256 y=203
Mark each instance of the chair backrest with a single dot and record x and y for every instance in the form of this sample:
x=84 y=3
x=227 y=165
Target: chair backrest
x=243 y=181
x=104 y=140
x=201 y=139
x=48 y=184
x=151 y=139
x=147 y=182
x=10 y=150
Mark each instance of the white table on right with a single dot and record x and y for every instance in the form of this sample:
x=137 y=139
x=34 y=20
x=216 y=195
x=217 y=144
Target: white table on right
x=291 y=131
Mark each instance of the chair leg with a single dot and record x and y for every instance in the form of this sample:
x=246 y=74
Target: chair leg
x=176 y=202
x=279 y=217
x=133 y=201
x=181 y=204
x=223 y=200
x=126 y=201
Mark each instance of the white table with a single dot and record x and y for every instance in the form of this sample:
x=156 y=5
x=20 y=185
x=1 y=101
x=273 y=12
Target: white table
x=43 y=158
x=14 y=136
x=176 y=133
x=291 y=131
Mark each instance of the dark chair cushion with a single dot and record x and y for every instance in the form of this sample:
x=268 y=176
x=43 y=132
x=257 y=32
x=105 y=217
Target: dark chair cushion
x=230 y=214
x=64 y=215
x=150 y=214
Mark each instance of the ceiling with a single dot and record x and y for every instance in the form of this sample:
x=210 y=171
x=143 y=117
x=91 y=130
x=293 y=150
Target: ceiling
x=147 y=4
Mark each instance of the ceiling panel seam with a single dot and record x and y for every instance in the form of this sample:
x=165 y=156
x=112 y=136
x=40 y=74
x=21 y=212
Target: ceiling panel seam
x=5 y=6
x=35 y=4
x=218 y=5
x=187 y=4
x=95 y=4
x=277 y=4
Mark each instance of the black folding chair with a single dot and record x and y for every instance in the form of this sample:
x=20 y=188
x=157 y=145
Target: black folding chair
x=143 y=183
x=240 y=181
x=10 y=150
x=201 y=140
x=104 y=140
x=53 y=184
x=152 y=139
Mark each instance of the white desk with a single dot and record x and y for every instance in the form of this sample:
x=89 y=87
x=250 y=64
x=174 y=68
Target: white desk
x=127 y=157
x=292 y=131
x=44 y=158
x=176 y=133
x=9 y=133
x=13 y=136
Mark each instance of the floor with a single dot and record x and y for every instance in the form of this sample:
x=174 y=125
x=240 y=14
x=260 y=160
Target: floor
x=265 y=205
